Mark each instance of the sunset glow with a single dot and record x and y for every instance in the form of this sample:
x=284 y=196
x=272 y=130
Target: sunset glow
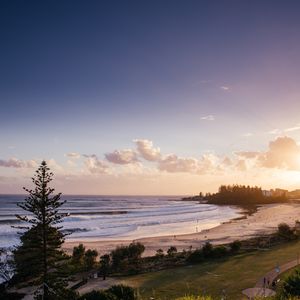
x=151 y=98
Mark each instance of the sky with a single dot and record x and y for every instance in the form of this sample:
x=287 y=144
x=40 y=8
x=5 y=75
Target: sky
x=150 y=97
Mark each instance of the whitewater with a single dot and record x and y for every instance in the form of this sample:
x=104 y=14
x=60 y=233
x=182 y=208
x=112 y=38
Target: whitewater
x=93 y=218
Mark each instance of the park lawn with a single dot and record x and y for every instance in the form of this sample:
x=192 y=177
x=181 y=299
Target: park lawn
x=229 y=276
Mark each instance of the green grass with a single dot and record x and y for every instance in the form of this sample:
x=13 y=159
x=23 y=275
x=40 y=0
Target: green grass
x=213 y=278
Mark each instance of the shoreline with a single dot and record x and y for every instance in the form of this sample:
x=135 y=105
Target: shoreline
x=264 y=221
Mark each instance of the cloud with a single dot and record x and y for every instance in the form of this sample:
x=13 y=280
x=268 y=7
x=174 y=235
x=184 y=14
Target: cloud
x=283 y=153
x=147 y=151
x=225 y=88
x=172 y=163
x=282 y=131
x=241 y=165
x=292 y=129
x=74 y=155
x=17 y=163
x=247 y=154
x=248 y=134
x=208 y=118
x=274 y=131
x=122 y=157
x=95 y=165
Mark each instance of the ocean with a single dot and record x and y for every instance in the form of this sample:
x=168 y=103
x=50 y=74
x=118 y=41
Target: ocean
x=120 y=217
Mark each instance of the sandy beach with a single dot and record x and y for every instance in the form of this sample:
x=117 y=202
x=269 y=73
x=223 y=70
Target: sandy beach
x=264 y=221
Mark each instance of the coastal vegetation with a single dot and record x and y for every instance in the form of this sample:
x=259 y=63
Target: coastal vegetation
x=241 y=195
x=215 y=277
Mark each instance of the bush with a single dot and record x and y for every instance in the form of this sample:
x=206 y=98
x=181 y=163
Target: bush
x=219 y=251
x=159 y=253
x=172 y=250
x=98 y=295
x=291 y=284
x=195 y=298
x=195 y=256
x=122 y=292
x=122 y=255
x=207 y=250
x=135 y=251
x=285 y=231
x=235 y=246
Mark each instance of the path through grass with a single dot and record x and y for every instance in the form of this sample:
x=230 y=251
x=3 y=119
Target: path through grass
x=214 y=278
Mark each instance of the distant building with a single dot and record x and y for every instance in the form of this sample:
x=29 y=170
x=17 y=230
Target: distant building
x=267 y=193
x=275 y=193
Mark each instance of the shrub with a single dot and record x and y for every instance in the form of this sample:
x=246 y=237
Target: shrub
x=285 y=231
x=122 y=255
x=235 y=246
x=172 y=250
x=291 y=284
x=195 y=298
x=196 y=256
x=159 y=253
x=98 y=295
x=220 y=251
x=207 y=250
x=135 y=250
x=122 y=292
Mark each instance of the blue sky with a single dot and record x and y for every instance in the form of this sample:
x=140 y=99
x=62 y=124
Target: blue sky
x=194 y=77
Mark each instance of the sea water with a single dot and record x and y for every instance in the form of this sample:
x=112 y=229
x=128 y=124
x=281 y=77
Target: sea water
x=94 y=218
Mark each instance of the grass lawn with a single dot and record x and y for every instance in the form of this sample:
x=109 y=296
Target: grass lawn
x=231 y=275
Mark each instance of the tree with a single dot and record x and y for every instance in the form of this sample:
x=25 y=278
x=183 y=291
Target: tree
x=159 y=253
x=78 y=254
x=104 y=265
x=172 y=250
x=235 y=246
x=6 y=266
x=90 y=258
x=40 y=250
x=291 y=285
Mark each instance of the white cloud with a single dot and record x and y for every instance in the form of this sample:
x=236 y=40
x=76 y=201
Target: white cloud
x=283 y=153
x=122 y=157
x=224 y=87
x=74 y=155
x=274 y=131
x=295 y=128
x=95 y=165
x=172 y=163
x=17 y=163
x=147 y=151
x=208 y=118
x=248 y=134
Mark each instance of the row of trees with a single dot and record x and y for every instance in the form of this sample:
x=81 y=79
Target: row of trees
x=241 y=195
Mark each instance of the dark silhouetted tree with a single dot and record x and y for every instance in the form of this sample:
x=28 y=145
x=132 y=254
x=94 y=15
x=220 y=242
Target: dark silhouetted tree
x=78 y=254
x=90 y=258
x=40 y=250
x=104 y=265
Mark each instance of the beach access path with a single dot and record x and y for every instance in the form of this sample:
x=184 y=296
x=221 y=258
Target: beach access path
x=265 y=282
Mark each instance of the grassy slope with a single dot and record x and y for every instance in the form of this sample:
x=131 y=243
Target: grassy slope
x=233 y=275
